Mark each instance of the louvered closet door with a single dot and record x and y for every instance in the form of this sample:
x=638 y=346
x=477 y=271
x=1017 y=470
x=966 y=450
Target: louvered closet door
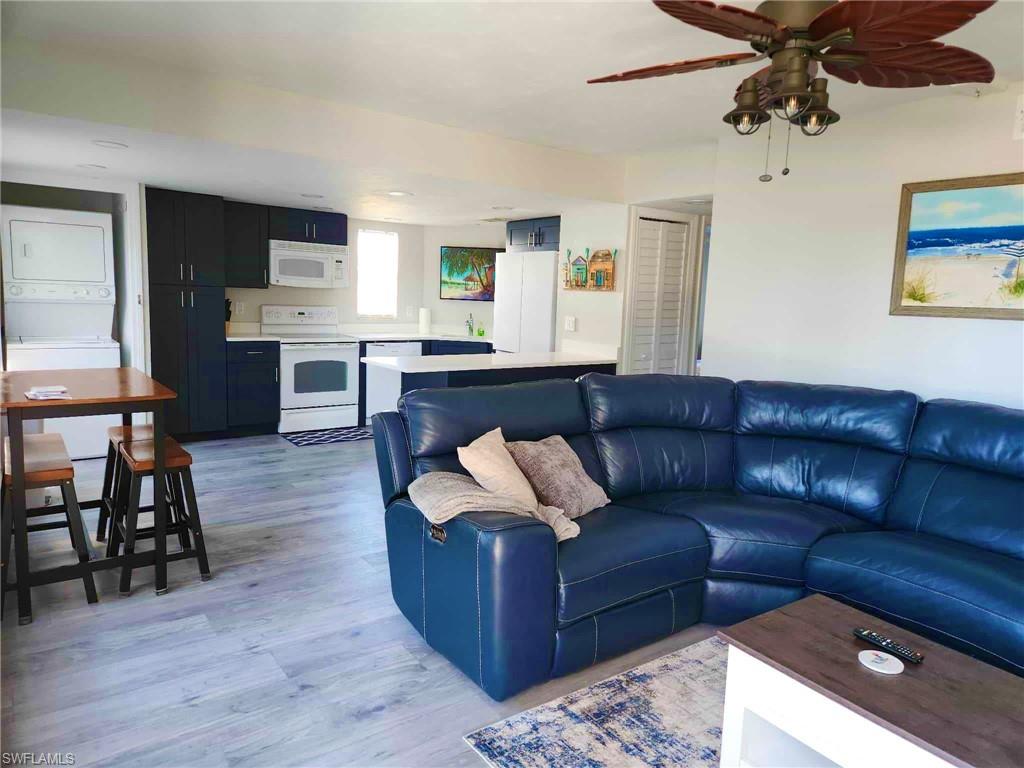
x=658 y=298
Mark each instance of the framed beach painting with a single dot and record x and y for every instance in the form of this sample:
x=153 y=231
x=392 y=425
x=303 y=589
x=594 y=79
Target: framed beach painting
x=960 y=247
x=467 y=274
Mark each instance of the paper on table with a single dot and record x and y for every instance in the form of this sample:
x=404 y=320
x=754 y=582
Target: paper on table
x=48 y=392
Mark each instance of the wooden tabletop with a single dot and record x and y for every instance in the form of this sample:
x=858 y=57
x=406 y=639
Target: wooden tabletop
x=966 y=711
x=87 y=386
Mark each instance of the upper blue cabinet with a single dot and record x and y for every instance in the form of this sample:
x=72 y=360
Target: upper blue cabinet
x=304 y=226
x=533 y=234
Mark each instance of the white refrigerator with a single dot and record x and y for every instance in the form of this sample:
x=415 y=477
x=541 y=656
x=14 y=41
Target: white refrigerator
x=525 y=291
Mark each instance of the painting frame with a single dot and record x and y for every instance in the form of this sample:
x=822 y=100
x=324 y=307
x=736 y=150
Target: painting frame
x=896 y=304
x=486 y=271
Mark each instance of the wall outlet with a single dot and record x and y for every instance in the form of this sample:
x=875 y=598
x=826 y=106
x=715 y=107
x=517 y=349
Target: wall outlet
x=238 y=309
x=570 y=323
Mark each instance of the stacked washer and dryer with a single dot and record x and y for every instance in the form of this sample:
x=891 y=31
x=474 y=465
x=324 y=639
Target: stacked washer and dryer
x=59 y=302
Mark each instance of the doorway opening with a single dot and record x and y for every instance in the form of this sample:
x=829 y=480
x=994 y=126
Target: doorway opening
x=665 y=294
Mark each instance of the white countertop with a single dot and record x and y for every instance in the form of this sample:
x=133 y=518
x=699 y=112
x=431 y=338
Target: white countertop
x=442 y=363
x=254 y=337
x=376 y=336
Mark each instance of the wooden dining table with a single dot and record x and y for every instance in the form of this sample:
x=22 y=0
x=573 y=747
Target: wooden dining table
x=92 y=391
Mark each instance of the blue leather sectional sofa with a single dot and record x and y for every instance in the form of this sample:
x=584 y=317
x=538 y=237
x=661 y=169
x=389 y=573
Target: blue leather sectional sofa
x=728 y=500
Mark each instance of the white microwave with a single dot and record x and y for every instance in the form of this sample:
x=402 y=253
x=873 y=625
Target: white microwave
x=308 y=265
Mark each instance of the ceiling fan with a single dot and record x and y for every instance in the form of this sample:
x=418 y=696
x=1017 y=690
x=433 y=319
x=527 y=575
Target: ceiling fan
x=883 y=44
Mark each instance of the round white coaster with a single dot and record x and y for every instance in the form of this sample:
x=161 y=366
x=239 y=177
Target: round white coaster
x=880 y=661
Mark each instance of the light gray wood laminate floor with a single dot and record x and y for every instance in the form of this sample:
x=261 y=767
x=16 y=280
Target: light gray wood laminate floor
x=293 y=654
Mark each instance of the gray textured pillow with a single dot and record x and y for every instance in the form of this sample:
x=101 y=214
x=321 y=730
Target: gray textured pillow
x=557 y=476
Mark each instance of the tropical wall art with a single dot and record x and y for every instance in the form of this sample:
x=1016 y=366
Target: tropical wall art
x=589 y=272
x=467 y=274
x=959 y=248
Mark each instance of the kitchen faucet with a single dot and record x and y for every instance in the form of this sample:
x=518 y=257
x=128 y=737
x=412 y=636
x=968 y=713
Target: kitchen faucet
x=469 y=324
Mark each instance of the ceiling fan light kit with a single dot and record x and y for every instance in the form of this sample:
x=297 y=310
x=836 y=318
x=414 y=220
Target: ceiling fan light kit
x=748 y=116
x=793 y=99
x=877 y=43
x=818 y=117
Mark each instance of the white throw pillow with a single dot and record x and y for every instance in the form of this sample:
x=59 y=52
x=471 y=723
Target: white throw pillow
x=493 y=467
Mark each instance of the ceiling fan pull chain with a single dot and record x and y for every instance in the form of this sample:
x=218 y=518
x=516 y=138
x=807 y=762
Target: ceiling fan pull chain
x=789 y=132
x=767 y=152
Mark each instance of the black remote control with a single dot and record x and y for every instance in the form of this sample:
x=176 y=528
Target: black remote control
x=886 y=644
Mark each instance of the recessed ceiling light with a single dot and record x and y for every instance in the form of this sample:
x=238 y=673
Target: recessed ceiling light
x=503 y=207
x=110 y=144
x=398 y=193
x=92 y=166
x=322 y=208
x=311 y=196
x=390 y=218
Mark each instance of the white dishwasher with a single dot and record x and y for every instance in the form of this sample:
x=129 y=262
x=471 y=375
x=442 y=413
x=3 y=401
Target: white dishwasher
x=384 y=387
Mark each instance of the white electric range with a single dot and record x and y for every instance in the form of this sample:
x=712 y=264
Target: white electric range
x=319 y=367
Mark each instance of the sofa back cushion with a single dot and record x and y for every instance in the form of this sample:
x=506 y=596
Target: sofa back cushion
x=965 y=476
x=438 y=421
x=840 y=447
x=656 y=432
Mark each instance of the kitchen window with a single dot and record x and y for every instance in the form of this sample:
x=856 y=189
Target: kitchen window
x=377 y=273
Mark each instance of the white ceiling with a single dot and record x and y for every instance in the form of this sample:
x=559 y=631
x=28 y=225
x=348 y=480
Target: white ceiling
x=34 y=142
x=512 y=69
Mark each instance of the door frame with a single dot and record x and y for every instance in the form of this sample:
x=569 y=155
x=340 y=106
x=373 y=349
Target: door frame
x=691 y=281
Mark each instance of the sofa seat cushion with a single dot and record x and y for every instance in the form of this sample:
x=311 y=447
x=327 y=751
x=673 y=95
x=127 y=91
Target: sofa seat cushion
x=958 y=594
x=755 y=538
x=624 y=554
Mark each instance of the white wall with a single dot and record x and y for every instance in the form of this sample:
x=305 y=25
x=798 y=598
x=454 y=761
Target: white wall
x=685 y=172
x=800 y=268
x=449 y=313
x=598 y=314
x=410 y=282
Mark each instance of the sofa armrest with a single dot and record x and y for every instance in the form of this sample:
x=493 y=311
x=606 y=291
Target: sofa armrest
x=394 y=462
x=481 y=591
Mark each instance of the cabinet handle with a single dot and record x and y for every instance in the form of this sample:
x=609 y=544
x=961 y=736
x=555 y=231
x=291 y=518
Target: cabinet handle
x=192 y=299
x=254 y=353
x=265 y=281
x=307 y=229
x=314 y=230
x=182 y=298
x=275 y=375
x=191 y=277
x=181 y=271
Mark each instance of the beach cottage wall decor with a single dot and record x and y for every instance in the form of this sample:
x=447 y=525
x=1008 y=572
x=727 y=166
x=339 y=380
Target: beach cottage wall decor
x=589 y=272
x=959 y=248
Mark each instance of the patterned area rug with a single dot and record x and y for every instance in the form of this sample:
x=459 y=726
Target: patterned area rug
x=325 y=436
x=667 y=712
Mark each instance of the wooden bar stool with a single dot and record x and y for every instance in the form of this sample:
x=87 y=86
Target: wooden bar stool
x=47 y=463
x=136 y=463
x=112 y=470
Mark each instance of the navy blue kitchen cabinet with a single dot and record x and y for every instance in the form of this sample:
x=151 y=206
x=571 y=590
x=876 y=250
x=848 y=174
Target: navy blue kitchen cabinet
x=253 y=386
x=533 y=234
x=188 y=355
x=444 y=347
x=299 y=225
x=184 y=238
x=246 y=253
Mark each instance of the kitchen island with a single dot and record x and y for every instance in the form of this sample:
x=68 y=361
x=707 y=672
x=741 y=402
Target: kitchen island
x=403 y=374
